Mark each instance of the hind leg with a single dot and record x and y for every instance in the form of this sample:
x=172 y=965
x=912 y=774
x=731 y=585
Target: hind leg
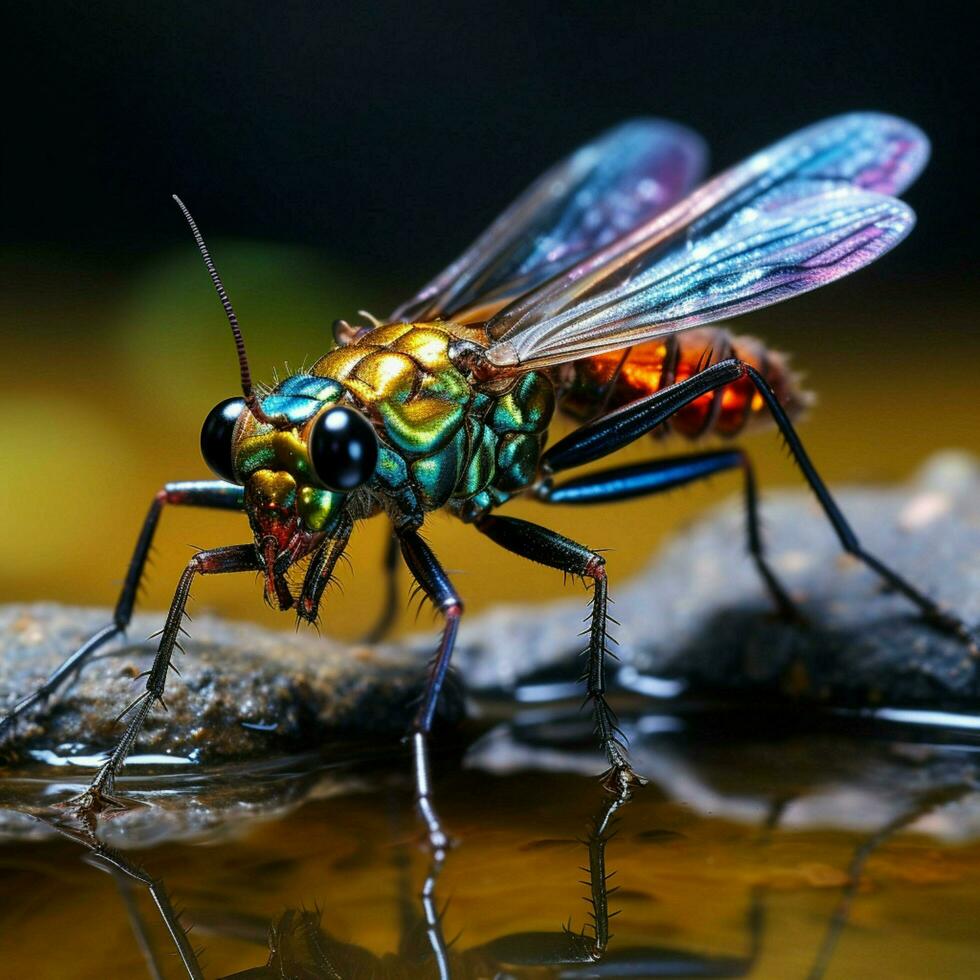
x=613 y=431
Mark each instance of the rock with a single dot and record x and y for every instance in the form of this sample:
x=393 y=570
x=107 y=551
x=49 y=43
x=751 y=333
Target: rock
x=243 y=692
x=698 y=616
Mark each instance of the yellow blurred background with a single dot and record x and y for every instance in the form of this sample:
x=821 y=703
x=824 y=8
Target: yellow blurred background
x=109 y=367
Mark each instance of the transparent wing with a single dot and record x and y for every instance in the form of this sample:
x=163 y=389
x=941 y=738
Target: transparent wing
x=606 y=188
x=746 y=264
x=784 y=221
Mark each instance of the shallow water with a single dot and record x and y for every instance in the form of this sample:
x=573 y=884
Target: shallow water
x=762 y=846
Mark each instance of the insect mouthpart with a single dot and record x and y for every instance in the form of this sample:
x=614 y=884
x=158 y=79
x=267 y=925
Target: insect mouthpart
x=281 y=540
x=277 y=561
x=275 y=564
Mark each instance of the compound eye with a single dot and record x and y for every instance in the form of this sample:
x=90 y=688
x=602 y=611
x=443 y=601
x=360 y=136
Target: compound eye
x=343 y=448
x=216 y=437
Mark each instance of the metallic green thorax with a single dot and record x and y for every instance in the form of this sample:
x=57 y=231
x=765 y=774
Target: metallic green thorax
x=443 y=441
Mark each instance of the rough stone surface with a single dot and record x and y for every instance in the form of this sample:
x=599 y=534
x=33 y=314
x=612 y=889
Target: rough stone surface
x=243 y=691
x=699 y=612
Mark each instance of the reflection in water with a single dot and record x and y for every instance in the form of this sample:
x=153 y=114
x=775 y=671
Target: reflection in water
x=928 y=802
x=775 y=785
x=301 y=947
x=126 y=874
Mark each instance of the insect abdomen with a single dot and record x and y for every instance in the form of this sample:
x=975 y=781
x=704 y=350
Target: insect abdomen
x=608 y=381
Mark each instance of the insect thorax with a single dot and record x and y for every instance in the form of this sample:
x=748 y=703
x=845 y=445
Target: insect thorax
x=443 y=440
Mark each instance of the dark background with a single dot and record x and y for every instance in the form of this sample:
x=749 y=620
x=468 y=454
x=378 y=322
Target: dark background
x=391 y=133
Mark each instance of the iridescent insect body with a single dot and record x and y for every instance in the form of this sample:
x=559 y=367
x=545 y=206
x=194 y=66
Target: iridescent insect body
x=594 y=292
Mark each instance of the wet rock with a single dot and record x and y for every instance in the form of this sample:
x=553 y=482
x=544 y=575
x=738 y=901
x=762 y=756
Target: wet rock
x=243 y=692
x=187 y=802
x=698 y=617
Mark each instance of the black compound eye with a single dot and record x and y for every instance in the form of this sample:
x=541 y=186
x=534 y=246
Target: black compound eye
x=343 y=448
x=216 y=437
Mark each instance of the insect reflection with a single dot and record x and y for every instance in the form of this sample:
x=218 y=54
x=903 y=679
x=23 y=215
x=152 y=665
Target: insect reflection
x=596 y=292
x=301 y=946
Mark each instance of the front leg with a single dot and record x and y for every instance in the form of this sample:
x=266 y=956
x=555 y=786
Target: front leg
x=436 y=584
x=214 y=494
x=552 y=549
x=320 y=572
x=237 y=558
x=434 y=581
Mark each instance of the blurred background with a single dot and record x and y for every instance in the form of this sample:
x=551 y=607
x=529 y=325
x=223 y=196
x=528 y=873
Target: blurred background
x=336 y=156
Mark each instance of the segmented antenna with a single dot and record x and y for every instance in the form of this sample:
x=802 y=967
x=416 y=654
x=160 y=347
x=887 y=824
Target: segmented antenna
x=251 y=399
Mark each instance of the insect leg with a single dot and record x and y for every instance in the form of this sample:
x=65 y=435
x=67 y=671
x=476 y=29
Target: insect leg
x=928 y=802
x=236 y=558
x=623 y=426
x=390 y=609
x=601 y=832
x=320 y=572
x=550 y=548
x=658 y=476
x=929 y=608
x=125 y=874
x=190 y=493
x=434 y=581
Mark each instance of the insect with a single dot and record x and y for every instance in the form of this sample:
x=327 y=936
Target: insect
x=594 y=291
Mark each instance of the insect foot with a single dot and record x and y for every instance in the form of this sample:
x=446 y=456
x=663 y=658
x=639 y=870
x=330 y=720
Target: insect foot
x=621 y=780
x=948 y=622
x=98 y=801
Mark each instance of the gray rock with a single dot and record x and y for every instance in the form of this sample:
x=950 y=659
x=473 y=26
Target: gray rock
x=698 y=614
x=243 y=691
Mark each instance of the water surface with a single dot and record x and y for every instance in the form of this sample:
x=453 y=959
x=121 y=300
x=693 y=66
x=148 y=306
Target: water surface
x=761 y=846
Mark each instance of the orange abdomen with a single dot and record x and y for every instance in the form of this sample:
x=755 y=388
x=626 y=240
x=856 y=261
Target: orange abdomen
x=608 y=381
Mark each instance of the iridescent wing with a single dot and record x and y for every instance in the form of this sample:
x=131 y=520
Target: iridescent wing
x=804 y=212
x=603 y=190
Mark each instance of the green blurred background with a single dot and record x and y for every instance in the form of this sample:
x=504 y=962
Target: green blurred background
x=335 y=159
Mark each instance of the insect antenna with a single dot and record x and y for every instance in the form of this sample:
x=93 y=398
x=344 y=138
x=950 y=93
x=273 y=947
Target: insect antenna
x=251 y=399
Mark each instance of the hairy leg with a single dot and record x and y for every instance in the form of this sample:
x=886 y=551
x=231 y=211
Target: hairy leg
x=237 y=558
x=550 y=548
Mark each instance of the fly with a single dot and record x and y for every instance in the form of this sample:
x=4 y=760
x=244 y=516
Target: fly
x=598 y=291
